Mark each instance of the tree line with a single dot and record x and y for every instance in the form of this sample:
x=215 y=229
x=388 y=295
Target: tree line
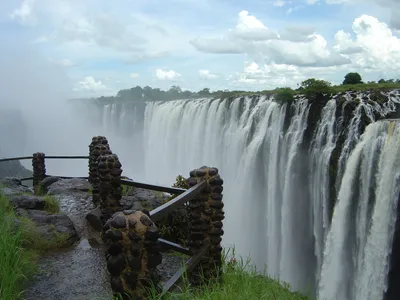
x=307 y=87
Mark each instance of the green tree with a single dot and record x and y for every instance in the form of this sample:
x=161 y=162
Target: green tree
x=314 y=86
x=381 y=80
x=204 y=92
x=352 y=78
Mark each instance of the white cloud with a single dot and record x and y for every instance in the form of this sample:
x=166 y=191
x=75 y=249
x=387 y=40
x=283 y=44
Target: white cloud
x=279 y=3
x=89 y=84
x=277 y=49
x=167 y=75
x=206 y=74
x=374 y=47
x=249 y=27
x=266 y=47
x=24 y=14
x=134 y=75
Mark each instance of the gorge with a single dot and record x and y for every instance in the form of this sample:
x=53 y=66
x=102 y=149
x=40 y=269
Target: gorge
x=311 y=185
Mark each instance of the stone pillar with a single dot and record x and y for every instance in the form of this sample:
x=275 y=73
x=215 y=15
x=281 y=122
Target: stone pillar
x=39 y=170
x=206 y=215
x=133 y=254
x=109 y=172
x=98 y=147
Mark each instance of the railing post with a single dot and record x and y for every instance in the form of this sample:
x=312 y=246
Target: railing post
x=109 y=172
x=39 y=170
x=99 y=146
x=206 y=215
x=133 y=254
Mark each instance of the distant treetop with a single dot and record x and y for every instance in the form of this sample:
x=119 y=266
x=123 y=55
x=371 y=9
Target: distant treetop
x=352 y=78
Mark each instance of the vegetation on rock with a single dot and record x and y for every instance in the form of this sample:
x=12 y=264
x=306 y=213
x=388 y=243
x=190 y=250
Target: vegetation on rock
x=174 y=227
x=239 y=281
x=352 y=82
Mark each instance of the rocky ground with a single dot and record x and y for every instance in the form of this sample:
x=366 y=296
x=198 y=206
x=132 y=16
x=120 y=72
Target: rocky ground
x=77 y=272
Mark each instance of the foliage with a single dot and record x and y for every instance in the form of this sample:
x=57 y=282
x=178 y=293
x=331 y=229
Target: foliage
x=16 y=264
x=127 y=189
x=174 y=227
x=314 y=86
x=239 y=281
x=352 y=78
x=20 y=245
x=52 y=204
x=284 y=95
x=309 y=88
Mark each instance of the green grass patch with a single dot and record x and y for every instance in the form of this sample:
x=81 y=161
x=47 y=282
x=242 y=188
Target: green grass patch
x=126 y=189
x=52 y=204
x=239 y=281
x=20 y=246
x=16 y=263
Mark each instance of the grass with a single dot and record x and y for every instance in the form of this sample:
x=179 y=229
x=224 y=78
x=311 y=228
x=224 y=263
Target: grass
x=16 y=263
x=52 y=204
x=239 y=281
x=20 y=246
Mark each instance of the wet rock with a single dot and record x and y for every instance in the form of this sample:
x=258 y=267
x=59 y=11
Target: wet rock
x=68 y=186
x=48 y=224
x=118 y=221
x=12 y=186
x=94 y=218
x=45 y=183
x=139 y=199
x=28 y=202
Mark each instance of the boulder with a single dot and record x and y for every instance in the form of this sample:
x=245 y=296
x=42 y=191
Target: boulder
x=139 y=199
x=12 y=186
x=45 y=183
x=68 y=186
x=28 y=202
x=94 y=218
x=48 y=224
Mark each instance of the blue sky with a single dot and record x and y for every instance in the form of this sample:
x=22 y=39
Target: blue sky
x=101 y=46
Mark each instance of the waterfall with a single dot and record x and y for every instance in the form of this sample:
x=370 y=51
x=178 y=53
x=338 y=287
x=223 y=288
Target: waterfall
x=280 y=207
x=323 y=144
x=363 y=277
x=261 y=165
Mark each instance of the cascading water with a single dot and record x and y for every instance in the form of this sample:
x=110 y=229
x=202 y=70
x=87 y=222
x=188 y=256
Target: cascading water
x=323 y=144
x=356 y=264
x=261 y=166
x=278 y=187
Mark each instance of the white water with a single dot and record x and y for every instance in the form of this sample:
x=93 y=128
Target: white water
x=276 y=193
x=323 y=144
x=260 y=166
x=363 y=276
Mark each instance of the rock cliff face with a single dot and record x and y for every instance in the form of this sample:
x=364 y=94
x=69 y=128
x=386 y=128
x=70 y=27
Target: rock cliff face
x=13 y=169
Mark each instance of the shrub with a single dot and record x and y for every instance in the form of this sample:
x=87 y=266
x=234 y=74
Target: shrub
x=284 y=95
x=175 y=226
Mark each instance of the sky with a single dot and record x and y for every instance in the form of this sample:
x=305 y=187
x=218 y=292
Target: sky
x=99 y=46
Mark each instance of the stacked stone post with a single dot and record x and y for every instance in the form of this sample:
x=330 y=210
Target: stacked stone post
x=99 y=146
x=39 y=170
x=110 y=189
x=206 y=215
x=133 y=254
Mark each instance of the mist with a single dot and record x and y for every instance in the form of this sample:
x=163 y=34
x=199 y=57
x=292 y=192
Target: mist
x=35 y=114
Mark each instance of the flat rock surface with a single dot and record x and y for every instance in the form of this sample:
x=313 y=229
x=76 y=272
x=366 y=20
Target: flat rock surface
x=80 y=272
